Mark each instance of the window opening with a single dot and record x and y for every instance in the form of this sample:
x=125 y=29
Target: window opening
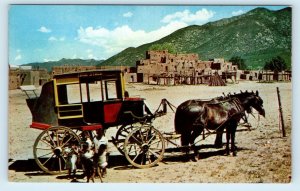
x=111 y=90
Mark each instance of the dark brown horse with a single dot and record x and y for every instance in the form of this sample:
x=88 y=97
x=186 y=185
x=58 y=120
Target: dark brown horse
x=193 y=116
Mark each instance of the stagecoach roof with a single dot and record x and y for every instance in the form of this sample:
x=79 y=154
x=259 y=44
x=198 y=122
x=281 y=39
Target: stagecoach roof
x=91 y=73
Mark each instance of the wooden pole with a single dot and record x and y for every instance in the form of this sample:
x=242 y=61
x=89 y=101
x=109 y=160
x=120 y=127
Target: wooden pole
x=280 y=113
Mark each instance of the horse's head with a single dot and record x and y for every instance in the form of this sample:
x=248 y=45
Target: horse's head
x=254 y=100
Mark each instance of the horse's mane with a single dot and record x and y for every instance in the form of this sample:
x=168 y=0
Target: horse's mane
x=241 y=94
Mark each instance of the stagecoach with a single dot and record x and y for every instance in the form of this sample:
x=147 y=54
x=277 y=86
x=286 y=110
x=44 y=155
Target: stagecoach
x=75 y=103
x=72 y=103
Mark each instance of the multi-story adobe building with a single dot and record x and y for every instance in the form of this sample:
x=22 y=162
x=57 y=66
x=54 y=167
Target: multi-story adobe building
x=166 y=64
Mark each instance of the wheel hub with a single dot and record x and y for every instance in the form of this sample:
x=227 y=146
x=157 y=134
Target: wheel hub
x=145 y=147
x=57 y=151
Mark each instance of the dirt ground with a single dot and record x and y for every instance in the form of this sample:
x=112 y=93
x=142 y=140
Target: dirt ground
x=264 y=156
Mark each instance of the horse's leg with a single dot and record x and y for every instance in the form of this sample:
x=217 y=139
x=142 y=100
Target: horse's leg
x=233 y=147
x=185 y=143
x=218 y=140
x=228 y=133
x=196 y=132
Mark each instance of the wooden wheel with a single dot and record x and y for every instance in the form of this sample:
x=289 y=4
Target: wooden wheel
x=121 y=135
x=144 y=147
x=52 y=147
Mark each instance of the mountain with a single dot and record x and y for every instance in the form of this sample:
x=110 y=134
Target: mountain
x=256 y=36
x=64 y=62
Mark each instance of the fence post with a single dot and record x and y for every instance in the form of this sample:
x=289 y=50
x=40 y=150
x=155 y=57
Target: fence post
x=280 y=114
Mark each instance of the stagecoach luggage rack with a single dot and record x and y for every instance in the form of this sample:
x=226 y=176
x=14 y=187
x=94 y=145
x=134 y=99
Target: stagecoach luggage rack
x=29 y=88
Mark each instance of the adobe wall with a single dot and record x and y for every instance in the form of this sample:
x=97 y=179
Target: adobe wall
x=19 y=77
x=69 y=69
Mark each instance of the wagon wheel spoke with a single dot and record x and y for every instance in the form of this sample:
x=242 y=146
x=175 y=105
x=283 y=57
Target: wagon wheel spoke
x=154 y=153
x=51 y=138
x=59 y=163
x=149 y=132
x=48 y=158
x=62 y=139
x=149 y=141
x=57 y=139
x=44 y=148
x=136 y=139
x=67 y=141
x=136 y=156
x=153 y=143
x=133 y=149
x=46 y=141
x=149 y=158
x=142 y=137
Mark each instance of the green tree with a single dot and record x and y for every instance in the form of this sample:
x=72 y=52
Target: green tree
x=164 y=46
x=237 y=60
x=276 y=64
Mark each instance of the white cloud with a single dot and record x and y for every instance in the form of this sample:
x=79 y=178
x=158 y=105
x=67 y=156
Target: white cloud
x=91 y=56
x=44 y=29
x=116 y=40
x=239 y=12
x=128 y=14
x=18 y=57
x=52 y=38
x=188 y=17
x=49 y=60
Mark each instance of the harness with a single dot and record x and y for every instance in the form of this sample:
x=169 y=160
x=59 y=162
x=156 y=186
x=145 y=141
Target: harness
x=234 y=101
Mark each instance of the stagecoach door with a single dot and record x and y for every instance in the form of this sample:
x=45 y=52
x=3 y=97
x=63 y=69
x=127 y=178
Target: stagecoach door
x=101 y=99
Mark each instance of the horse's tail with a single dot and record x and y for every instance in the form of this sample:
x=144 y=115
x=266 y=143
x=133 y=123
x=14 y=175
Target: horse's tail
x=180 y=125
x=178 y=121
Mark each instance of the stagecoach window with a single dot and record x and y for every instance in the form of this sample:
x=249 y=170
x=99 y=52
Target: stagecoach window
x=95 y=92
x=111 y=90
x=73 y=93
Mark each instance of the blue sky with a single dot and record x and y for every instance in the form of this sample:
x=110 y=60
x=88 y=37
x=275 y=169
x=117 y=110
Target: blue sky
x=41 y=33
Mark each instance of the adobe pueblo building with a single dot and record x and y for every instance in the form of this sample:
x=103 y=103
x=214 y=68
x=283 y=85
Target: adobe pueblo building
x=162 y=67
x=26 y=75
